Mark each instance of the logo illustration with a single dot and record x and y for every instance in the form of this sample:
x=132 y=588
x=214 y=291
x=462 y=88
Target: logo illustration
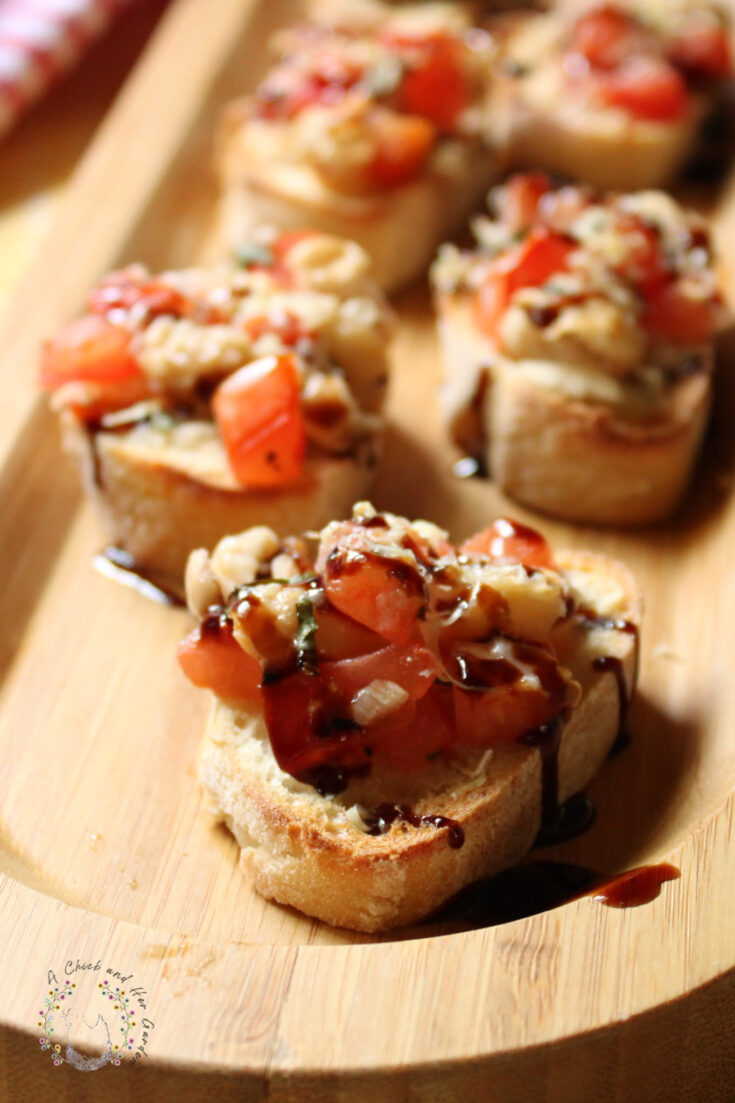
x=99 y=1019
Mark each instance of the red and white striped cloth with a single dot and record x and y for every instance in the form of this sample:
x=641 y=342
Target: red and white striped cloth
x=41 y=39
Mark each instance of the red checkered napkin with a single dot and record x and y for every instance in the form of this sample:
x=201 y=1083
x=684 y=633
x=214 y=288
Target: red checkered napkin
x=39 y=40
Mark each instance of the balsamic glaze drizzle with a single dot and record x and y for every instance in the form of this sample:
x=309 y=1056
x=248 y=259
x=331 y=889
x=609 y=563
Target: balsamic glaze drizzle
x=119 y=565
x=381 y=820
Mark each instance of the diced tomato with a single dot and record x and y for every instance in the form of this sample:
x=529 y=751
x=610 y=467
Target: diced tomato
x=413 y=667
x=645 y=264
x=529 y=264
x=283 y=323
x=604 y=36
x=703 y=51
x=213 y=659
x=506 y=539
x=428 y=730
x=416 y=731
x=402 y=144
x=647 y=88
x=258 y=413
x=674 y=316
x=384 y=594
x=426 y=552
x=309 y=726
x=88 y=350
x=125 y=289
x=500 y=715
x=340 y=637
x=436 y=86
x=98 y=399
x=291 y=88
x=521 y=197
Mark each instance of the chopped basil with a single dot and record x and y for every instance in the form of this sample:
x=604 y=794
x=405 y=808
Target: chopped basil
x=251 y=253
x=305 y=644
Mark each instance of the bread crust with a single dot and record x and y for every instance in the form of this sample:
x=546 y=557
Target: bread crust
x=157 y=513
x=400 y=228
x=302 y=849
x=579 y=460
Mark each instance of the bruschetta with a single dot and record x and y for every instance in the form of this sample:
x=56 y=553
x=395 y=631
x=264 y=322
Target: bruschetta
x=578 y=345
x=394 y=717
x=204 y=400
x=371 y=129
x=610 y=93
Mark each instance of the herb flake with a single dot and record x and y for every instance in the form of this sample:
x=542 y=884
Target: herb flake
x=306 y=658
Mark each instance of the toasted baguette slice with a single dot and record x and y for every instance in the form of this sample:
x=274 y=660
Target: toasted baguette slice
x=568 y=455
x=162 y=462
x=550 y=123
x=158 y=503
x=395 y=176
x=312 y=852
x=400 y=228
x=578 y=347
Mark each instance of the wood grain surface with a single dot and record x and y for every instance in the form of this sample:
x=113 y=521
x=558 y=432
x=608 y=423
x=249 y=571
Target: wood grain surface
x=107 y=854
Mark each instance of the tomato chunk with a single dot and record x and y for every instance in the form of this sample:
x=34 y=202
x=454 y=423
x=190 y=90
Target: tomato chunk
x=340 y=637
x=427 y=729
x=292 y=87
x=412 y=667
x=212 y=659
x=402 y=144
x=645 y=264
x=436 y=86
x=674 y=316
x=604 y=37
x=530 y=264
x=310 y=728
x=382 y=593
x=88 y=350
x=125 y=289
x=704 y=51
x=521 y=197
x=647 y=88
x=501 y=715
x=506 y=539
x=99 y=399
x=259 y=416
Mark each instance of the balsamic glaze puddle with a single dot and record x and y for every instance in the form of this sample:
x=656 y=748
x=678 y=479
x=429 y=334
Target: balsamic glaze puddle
x=120 y=566
x=543 y=885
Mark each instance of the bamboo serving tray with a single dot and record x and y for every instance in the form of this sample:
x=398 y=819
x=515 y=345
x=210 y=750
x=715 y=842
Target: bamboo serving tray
x=106 y=853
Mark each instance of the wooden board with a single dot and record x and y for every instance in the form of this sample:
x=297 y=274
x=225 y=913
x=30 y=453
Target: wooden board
x=107 y=854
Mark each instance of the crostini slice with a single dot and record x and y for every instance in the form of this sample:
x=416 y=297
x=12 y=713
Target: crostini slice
x=578 y=343
x=394 y=717
x=205 y=400
x=370 y=129
x=610 y=93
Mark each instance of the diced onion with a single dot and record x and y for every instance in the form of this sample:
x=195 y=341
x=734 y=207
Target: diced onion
x=376 y=701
